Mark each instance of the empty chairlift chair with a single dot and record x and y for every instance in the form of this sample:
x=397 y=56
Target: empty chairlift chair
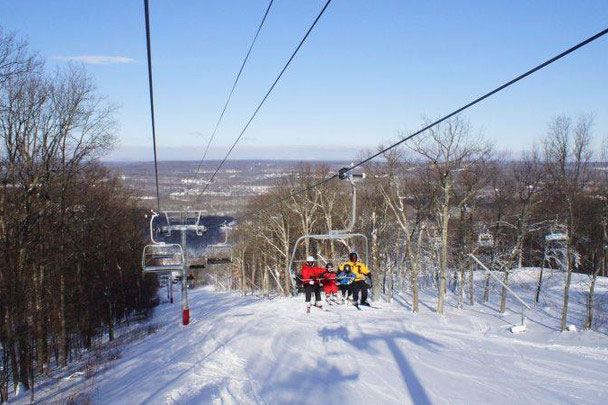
x=163 y=258
x=485 y=240
x=220 y=253
x=558 y=235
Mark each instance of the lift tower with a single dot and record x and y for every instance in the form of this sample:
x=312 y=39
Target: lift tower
x=162 y=257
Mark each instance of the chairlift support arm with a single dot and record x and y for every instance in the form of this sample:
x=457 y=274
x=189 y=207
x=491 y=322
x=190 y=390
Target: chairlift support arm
x=344 y=174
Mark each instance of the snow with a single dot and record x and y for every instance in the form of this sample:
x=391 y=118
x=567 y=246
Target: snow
x=256 y=350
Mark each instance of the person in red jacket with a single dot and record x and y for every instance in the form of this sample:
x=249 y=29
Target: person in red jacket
x=312 y=277
x=329 y=283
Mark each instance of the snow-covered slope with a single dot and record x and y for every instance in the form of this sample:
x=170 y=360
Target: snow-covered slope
x=252 y=350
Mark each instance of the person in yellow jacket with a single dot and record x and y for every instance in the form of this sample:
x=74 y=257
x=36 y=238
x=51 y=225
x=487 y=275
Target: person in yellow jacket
x=361 y=272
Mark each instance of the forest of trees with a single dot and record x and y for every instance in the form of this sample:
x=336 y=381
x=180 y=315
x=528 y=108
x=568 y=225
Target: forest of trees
x=70 y=234
x=425 y=206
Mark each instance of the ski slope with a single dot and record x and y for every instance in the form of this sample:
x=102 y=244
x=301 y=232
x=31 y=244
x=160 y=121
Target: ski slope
x=252 y=350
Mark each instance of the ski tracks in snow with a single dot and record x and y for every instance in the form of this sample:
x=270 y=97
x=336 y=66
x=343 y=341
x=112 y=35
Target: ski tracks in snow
x=250 y=350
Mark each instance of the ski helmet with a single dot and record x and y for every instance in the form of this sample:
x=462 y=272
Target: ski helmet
x=347 y=268
x=353 y=256
x=310 y=259
x=329 y=266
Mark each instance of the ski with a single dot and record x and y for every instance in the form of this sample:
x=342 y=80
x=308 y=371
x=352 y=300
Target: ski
x=357 y=306
x=321 y=308
x=371 y=306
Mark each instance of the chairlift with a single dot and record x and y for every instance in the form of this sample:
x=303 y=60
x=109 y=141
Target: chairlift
x=198 y=262
x=556 y=236
x=163 y=224
x=485 y=240
x=342 y=235
x=162 y=257
x=181 y=221
x=220 y=253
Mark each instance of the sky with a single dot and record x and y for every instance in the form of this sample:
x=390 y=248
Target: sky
x=370 y=70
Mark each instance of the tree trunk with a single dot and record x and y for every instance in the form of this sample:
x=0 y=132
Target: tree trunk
x=265 y=282
x=444 y=253
x=243 y=277
x=539 y=285
x=503 y=293
x=590 y=301
x=460 y=285
x=374 y=259
x=471 y=286
x=563 y=323
x=287 y=280
x=389 y=282
x=415 y=271
x=64 y=333
x=39 y=314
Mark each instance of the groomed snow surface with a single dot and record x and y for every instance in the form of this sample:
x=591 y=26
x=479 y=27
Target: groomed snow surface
x=243 y=350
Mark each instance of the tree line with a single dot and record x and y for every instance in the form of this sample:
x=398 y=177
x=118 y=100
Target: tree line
x=426 y=206
x=71 y=235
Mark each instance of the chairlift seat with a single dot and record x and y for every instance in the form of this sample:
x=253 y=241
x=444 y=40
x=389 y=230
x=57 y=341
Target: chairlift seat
x=485 y=240
x=162 y=258
x=556 y=237
x=220 y=253
x=198 y=262
x=212 y=261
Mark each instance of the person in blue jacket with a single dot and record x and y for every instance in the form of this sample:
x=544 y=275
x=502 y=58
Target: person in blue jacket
x=345 y=282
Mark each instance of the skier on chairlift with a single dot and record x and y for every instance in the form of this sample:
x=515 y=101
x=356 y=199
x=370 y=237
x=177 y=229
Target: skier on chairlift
x=362 y=273
x=312 y=277
x=329 y=283
x=345 y=279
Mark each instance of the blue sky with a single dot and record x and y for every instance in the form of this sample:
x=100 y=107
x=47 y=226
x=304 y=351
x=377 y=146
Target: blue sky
x=370 y=69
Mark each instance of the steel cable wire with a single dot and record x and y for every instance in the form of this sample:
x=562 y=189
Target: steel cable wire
x=440 y=120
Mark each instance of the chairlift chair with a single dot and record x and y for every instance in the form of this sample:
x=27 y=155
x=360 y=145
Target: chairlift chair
x=198 y=262
x=337 y=234
x=162 y=225
x=220 y=253
x=181 y=220
x=485 y=240
x=556 y=237
x=162 y=258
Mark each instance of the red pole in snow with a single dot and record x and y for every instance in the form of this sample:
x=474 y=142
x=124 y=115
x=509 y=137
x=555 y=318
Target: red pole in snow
x=185 y=308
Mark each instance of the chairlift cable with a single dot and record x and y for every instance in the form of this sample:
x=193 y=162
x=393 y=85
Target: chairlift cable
x=440 y=120
x=479 y=99
x=147 y=16
x=236 y=80
x=264 y=99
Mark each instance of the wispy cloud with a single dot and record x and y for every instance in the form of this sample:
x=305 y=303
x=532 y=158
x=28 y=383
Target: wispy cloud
x=96 y=59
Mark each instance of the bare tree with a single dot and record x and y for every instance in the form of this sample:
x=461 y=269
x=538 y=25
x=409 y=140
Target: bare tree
x=449 y=151
x=16 y=59
x=567 y=154
x=396 y=197
x=70 y=233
